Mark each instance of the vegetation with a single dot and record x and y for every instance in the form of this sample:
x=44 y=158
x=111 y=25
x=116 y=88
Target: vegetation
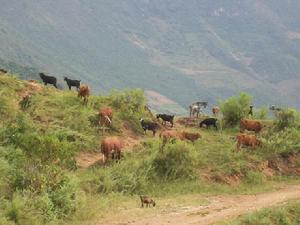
x=289 y=214
x=40 y=182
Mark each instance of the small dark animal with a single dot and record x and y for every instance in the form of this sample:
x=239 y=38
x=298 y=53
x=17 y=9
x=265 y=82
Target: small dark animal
x=111 y=146
x=250 y=113
x=147 y=125
x=48 y=79
x=147 y=201
x=166 y=118
x=84 y=92
x=209 y=122
x=3 y=71
x=72 y=83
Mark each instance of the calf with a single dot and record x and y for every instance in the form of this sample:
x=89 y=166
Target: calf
x=48 y=79
x=72 y=83
x=247 y=140
x=167 y=135
x=147 y=201
x=190 y=136
x=84 y=92
x=146 y=125
x=106 y=115
x=215 y=110
x=209 y=122
x=166 y=118
x=250 y=125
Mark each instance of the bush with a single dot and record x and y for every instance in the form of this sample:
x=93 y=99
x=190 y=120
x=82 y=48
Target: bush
x=177 y=161
x=235 y=108
x=287 y=118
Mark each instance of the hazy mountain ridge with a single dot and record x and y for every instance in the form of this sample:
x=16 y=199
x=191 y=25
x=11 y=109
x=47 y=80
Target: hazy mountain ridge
x=184 y=50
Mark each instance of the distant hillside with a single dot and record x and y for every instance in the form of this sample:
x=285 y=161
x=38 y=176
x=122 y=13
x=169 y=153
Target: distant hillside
x=183 y=50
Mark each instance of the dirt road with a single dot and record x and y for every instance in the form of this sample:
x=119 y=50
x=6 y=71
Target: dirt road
x=218 y=208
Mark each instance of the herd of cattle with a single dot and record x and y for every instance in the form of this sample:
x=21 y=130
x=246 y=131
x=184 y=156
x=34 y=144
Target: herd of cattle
x=112 y=146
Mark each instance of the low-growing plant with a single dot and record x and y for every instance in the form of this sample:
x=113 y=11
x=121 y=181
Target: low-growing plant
x=287 y=118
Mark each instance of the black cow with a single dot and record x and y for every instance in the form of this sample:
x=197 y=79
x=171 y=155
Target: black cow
x=3 y=71
x=72 y=83
x=166 y=118
x=48 y=79
x=147 y=125
x=209 y=122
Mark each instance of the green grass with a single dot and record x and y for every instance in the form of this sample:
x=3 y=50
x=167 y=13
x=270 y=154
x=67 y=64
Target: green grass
x=40 y=183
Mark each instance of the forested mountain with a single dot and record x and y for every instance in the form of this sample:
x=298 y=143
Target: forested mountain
x=185 y=50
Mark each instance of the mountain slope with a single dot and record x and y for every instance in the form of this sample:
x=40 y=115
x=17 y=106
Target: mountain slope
x=183 y=50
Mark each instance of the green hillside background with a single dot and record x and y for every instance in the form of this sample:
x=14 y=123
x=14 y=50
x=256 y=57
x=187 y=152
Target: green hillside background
x=182 y=51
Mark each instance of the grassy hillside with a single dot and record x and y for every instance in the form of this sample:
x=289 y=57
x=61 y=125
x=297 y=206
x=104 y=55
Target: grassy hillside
x=186 y=51
x=42 y=142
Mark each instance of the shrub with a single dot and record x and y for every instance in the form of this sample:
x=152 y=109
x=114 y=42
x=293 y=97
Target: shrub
x=177 y=161
x=287 y=118
x=235 y=108
x=261 y=114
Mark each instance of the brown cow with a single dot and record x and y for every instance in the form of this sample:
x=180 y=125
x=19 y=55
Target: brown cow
x=106 y=115
x=146 y=200
x=250 y=125
x=84 y=92
x=111 y=146
x=190 y=136
x=168 y=135
x=215 y=110
x=174 y=135
x=247 y=140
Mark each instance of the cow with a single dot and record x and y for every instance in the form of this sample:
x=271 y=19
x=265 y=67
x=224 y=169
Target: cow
x=247 y=140
x=3 y=71
x=195 y=108
x=250 y=125
x=215 y=110
x=147 y=201
x=167 y=135
x=48 y=79
x=84 y=92
x=147 y=125
x=72 y=83
x=166 y=118
x=111 y=146
x=106 y=115
x=209 y=122
x=190 y=136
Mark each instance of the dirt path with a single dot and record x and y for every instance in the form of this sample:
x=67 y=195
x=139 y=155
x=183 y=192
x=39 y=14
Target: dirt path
x=219 y=208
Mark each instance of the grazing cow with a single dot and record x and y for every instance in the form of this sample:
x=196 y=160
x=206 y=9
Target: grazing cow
x=215 y=110
x=111 y=146
x=190 y=136
x=166 y=118
x=167 y=135
x=72 y=83
x=209 y=122
x=106 y=115
x=3 y=71
x=48 y=79
x=195 y=108
x=147 y=125
x=250 y=125
x=247 y=140
x=84 y=92
x=147 y=201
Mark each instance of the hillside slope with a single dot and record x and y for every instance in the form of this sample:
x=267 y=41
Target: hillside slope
x=183 y=50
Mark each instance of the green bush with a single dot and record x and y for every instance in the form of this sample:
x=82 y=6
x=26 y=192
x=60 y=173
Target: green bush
x=235 y=108
x=287 y=118
x=177 y=161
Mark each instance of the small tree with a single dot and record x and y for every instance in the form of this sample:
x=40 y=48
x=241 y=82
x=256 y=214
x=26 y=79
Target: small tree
x=235 y=108
x=287 y=118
